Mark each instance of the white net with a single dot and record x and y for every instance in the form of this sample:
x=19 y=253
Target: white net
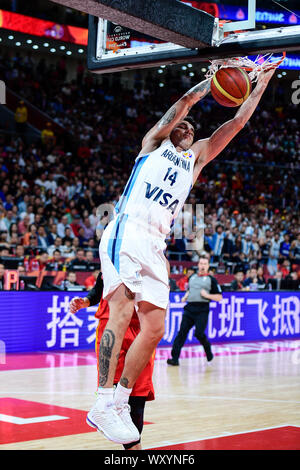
x=253 y=67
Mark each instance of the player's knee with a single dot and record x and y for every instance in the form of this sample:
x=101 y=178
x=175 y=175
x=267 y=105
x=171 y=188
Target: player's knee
x=155 y=333
x=122 y=319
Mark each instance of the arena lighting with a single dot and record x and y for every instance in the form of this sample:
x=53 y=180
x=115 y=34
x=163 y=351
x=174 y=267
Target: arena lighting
x=27 y=41
x=190 y=65
x=41 y=28
x=35 y=46
x=161 y=85
x=183 y=67
x=69 y=53
x=52 y=49
x=160 y=71
x=10 y=37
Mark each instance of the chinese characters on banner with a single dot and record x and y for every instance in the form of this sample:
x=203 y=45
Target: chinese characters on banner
x=47 y=324
x=65 y=327
x=242 y=316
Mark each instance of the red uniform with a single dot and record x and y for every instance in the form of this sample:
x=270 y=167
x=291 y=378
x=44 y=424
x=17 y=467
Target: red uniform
x=143 y=386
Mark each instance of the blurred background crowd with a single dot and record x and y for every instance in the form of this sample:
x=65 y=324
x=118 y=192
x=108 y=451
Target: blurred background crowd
x=51 y=186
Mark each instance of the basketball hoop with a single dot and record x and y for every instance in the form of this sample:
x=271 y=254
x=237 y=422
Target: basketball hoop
x=254 y=67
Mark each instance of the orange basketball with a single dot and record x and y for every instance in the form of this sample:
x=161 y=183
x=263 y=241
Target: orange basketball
x=230 y=86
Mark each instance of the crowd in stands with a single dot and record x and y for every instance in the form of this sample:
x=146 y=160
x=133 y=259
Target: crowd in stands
x=50 y=188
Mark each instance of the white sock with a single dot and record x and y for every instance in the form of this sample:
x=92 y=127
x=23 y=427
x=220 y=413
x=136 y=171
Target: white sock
x=121 y=395
x=105 y=395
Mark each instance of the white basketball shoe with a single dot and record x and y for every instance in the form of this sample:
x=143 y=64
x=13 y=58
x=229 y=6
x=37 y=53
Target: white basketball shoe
x=124 y=413
x=111 y=422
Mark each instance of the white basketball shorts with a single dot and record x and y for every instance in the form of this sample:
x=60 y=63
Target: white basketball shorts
x=130 y=255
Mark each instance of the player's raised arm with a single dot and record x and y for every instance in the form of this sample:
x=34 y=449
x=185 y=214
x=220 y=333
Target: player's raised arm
x=174 y=115
x=207 y=149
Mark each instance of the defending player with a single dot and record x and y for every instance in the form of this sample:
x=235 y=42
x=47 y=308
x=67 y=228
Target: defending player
x=143 y=389
x=132 y=246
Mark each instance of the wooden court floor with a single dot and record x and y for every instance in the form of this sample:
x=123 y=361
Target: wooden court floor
x=249 y=396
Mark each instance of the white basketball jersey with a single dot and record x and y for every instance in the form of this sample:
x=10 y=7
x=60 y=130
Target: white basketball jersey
x=158 y=187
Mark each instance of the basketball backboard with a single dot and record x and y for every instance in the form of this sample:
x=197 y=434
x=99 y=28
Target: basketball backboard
x=146 y=33
x=113 y=47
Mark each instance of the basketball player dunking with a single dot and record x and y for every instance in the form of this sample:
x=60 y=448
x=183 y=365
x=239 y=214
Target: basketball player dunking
x=132 y=246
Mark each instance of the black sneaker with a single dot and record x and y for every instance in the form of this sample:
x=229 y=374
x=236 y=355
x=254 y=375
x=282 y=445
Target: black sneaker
x=172 y=362
x=209 y=354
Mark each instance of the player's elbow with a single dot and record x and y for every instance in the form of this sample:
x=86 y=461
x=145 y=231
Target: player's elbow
x=239 y=123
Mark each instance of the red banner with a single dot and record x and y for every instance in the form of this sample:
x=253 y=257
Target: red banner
x=42 y=28
x=208 y=7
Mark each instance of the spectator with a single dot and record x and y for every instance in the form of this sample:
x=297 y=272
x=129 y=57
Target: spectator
x=13 y=232
x=285 y=268
x=69 y=234
x=52 y=234
x=3 y=236
x=277 y=281
x=227 y=249
x=55 y=263
x=19 y=251
x=21 y=116
x=42 y=237
x=39 y=262
x=295 y=250
x=247 y=245
x=70 y=281
x=238 y=283
x=62 y=226
x=91 y=280
x=217 y=242
x=76 y=225
x=265 y=247
x=47 y=136
x=88 y=231
x=251 y=280
x=67 y=248
x=57 y=245
x=83 y=241
x=23 y=225
x=8 y=220
x=182 y=283
x=92 y=263
x=261 y=281
x=285 y=247
x=274 y=255
x=79 y=263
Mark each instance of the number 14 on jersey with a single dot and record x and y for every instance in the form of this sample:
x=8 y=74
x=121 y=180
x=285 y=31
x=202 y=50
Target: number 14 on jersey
x=170 y=176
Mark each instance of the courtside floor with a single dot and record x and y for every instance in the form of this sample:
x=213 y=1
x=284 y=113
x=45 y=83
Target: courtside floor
x=247 y=398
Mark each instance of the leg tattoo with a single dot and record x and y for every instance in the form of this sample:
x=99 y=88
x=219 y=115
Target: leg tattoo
x=124 y=382
x=130 y=295
x=105 y=350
